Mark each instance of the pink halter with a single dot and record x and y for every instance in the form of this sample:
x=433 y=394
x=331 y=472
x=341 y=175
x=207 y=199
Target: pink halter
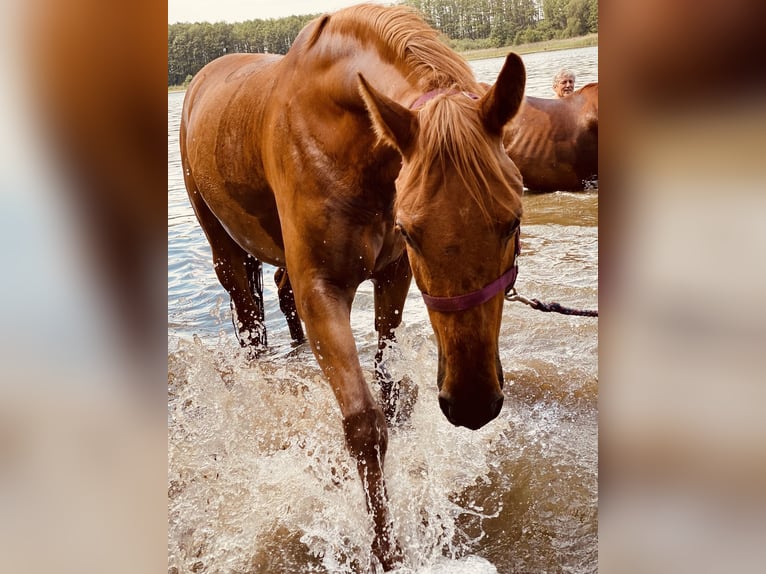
x=502 y=284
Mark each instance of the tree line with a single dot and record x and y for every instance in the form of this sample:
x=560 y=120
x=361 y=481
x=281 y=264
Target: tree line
x=464 y=24
x=191 y=46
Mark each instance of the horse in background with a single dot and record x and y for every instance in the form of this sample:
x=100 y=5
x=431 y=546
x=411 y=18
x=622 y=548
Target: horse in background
x=367 y=152
x=554 y=142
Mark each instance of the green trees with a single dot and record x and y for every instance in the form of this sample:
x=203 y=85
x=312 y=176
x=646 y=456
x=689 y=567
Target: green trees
x=192 y=45
x=568 y=18
x=497 y=23
x=465 y=24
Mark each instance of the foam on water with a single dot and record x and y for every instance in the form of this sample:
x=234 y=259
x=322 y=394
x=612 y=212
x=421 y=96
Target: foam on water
x=260 y=480
x=256 y=454
x=467 y=565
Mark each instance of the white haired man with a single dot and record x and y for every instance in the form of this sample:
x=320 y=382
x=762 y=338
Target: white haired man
x=563 y=83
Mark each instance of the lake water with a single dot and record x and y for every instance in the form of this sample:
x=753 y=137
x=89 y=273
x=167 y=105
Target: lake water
x=258 y=476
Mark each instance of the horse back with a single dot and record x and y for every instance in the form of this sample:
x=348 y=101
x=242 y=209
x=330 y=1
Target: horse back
x=217 y=88
x=221 y=149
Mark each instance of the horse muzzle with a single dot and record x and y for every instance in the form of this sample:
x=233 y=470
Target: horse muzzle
x=468 y=412
x=470 y=401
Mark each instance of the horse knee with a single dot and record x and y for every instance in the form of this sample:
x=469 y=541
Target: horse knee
x=367 y=435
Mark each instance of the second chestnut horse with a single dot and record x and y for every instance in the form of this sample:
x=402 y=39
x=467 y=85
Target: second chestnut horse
x=554 y=142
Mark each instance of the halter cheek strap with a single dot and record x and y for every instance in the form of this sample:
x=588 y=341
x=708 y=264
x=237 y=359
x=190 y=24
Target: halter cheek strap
x=502 y=284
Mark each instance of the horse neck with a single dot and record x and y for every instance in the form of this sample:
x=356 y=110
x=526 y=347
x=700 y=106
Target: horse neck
x=345 y=45
x=589 y=96
x=591 y=88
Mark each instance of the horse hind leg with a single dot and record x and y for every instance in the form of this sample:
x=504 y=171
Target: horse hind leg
x=254 y=315
x=235 y=269
x=239 y=274
x=287 y=305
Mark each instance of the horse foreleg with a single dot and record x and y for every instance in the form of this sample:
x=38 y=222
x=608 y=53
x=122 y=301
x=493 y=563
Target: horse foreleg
x=287 y=304
x=326 y=309
x=367 y=441
x=391 y=287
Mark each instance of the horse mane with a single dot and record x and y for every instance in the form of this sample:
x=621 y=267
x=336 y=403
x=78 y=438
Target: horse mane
x=401 y=36
x=453 y=132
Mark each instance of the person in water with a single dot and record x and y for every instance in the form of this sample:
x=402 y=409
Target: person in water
x=563 y=83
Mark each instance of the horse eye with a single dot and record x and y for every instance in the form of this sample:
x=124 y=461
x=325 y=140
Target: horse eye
x=510 y=230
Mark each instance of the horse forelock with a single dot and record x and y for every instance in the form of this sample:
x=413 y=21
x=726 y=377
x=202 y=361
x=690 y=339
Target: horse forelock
x=402 y=36
x=451 y=133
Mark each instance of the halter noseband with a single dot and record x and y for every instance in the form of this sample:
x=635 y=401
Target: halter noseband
x=502 y=284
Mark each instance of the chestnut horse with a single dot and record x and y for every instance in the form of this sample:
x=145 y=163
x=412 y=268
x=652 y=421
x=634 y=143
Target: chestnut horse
x=363 y=153
x=554 y=142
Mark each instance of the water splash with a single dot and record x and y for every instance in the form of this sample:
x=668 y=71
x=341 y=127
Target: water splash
x=260 y=480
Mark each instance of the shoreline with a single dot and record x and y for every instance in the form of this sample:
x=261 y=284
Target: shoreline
x=544 y=46
x=486 y=53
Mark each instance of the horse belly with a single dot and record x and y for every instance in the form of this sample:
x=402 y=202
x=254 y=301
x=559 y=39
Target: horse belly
x=254 y=226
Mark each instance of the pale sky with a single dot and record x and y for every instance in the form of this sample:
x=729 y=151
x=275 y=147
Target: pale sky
x=241 y=10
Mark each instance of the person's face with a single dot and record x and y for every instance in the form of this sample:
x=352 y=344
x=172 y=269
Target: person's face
x=564 y=87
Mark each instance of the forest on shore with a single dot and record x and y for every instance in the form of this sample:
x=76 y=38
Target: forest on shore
x=464 y=24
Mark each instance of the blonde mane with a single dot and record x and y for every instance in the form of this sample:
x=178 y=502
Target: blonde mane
x=402 y=36
x=451 y=130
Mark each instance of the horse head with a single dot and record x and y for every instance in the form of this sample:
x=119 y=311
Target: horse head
x=458 y=209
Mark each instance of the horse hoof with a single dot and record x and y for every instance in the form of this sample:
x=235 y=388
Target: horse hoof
x=254 y=347
x=389 y=558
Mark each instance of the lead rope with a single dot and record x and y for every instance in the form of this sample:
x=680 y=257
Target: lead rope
x=554 y=307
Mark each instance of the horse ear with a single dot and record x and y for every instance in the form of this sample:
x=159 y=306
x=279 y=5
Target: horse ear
x=502 y=101
x=394 y=124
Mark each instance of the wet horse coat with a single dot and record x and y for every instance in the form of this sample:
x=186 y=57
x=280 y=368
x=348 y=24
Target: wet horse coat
x=554 y=142
x=315 y=162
